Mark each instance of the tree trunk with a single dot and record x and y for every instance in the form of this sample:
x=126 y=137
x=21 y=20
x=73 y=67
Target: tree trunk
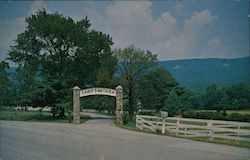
x=54 y=112
x=62 y=112
x=130 y=102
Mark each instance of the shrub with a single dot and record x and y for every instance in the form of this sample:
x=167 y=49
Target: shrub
x=70 y=117
x=125 y=118
x=7 y=108
x=238 y=117
x=217 y=116
x=147 y=112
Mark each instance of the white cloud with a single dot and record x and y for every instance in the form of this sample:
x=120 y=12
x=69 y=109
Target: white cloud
x=214 y=43
x=184 y=44
x=131 y=22
x=36 y=5
x=215 y=48
x=9 y=29
x=199 y=20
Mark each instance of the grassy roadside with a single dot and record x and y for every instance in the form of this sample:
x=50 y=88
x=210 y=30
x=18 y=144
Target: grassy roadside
x=36 y=117
x=132 y=126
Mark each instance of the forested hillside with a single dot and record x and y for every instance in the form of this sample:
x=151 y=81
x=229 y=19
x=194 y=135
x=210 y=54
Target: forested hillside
x=198 y=73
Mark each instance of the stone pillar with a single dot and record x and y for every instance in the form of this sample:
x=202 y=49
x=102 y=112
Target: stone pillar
x=76 y=105
x=119 y=104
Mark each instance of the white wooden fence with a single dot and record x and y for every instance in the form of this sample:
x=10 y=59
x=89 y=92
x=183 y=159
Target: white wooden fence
x=189 y=127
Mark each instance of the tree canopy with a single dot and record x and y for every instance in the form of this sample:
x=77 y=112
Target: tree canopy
x=133 y=63
x=154 y=88
x=59 y=53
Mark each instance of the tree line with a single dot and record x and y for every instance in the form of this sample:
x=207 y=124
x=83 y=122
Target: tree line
x=56 y=53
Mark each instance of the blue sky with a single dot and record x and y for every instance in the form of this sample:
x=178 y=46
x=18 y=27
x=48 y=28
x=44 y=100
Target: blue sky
x=172 y=29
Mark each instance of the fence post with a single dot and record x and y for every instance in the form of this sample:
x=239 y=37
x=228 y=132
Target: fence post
x=185 y=131
x=136 y=122
x=177 y=127
x=163 y=125
x=211 y=132
x=157 y=123
x=238 y=131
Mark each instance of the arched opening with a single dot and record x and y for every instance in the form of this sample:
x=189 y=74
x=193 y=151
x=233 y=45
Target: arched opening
x=98 y=103
x=117 y=93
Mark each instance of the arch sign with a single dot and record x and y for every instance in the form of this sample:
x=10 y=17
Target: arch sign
x=98 y=91
x=117 y=92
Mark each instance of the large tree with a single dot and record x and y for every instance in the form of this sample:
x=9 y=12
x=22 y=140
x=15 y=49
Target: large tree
x=133 y=63
x=63 y=53
x=154 y=87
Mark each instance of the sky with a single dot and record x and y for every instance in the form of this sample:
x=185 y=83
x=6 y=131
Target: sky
x=181 y=29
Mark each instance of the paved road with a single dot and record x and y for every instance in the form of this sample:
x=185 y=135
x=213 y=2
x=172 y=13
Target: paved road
x=99 y=139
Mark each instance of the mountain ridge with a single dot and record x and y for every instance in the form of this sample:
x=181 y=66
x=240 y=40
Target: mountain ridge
x=198 y=73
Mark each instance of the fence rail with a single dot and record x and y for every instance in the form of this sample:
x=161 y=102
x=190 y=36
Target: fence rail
x=189 y=127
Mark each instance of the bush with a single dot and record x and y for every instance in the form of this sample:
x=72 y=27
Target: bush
x=125 y=118
x=7 y=108
x=238 y=117
x=147 y=112
x=217 y=116
x=70 y=117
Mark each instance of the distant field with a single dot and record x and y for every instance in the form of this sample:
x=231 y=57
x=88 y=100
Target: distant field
x=228 y=111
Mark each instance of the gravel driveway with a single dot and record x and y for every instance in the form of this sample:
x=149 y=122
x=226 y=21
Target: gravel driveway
x=99 y=139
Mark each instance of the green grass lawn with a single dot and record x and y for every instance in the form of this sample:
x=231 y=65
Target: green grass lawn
x=36 y=117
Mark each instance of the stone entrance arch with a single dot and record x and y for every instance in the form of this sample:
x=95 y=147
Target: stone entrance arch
x=117 y=92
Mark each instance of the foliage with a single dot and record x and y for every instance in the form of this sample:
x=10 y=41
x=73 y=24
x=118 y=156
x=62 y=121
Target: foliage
x=214 y=98
x=99 y=103
x=217 y=116
x=133 y=63
x=54 y=54
x=231 y=97
x=4 y=84
x=125 y=118
x=238 y=96
x=25 y=81
x=154 y=87
x=172 y=104
x=179 y=100
x=147 y=112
